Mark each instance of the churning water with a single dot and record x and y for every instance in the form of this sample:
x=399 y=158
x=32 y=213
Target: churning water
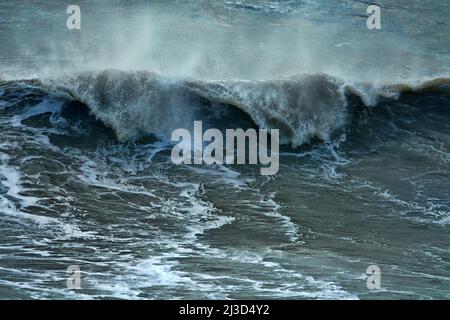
x=86 y=176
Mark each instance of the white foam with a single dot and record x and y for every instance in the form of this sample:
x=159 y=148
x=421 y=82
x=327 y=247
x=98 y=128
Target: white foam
x=52 y=106
x=12 y=182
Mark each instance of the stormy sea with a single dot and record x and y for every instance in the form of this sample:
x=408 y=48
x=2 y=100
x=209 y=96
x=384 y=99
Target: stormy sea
x=86 y=175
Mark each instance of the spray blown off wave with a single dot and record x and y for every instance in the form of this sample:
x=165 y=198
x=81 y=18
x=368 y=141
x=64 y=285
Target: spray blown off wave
x=302 y=107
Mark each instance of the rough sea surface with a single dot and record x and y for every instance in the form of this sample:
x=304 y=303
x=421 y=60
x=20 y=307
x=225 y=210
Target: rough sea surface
x=86 y=176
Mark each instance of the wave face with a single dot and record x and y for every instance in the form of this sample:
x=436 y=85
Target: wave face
x=132 y=103
x=303 y=107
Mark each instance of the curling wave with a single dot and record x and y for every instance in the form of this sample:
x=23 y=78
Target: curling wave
x=302 y=107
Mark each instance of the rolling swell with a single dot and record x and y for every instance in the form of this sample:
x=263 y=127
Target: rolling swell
x=302 y=107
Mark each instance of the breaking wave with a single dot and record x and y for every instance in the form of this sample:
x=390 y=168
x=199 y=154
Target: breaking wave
x=303 y=107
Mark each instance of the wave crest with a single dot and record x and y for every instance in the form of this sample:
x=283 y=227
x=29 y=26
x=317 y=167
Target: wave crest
x=302 y=107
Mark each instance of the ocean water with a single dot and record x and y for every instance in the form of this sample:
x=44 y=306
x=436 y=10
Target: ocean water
x=86 y=176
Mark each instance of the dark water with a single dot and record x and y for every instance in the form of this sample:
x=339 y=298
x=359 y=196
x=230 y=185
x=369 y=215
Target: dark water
x=86 y=176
